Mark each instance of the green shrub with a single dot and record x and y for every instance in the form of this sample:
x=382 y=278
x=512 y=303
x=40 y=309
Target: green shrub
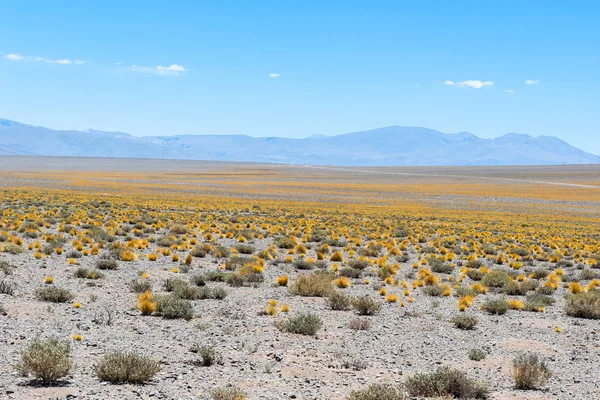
x=496 y=278
x=303 y=265
x=537 y=301
x=378 y=391
x=433 y=290
x=54 y=294
x=104 y=264
x=584 y=305
x=140 y=285
x=220 y=252
x=122 y=367
x=284 y=243
x=172 y=307
x=446 y=381
x=208 y=356
x=236 y=262
x=11 y=248
x=477 y=354
x=339 y=301
x=7 y=287
x=366 y=305
x=464 y=321
x=475 y=274
x=245 y=248
x=495 y=306
x=359 y=264
x=529 y=371
x=47 y=360
x=303 y=324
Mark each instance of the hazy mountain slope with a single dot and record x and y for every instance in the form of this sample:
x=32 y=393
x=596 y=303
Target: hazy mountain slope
x=394 y=145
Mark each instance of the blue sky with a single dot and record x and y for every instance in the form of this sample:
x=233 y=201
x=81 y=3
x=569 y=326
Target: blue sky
x=297 y=68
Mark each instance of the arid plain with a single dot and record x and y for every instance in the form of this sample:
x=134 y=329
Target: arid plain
x=258 y=281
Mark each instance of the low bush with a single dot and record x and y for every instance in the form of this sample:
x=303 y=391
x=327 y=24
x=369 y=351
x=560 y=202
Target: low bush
x=477 y=354
x=464 y=321
x=339 y=301
x=366 y=305
x=140 y=285
x=54 y=294
x=378 y=391
x=230 y=393
x=105 y=264
x=172 y=307
x=303 y=324
x=495 y=306
x=245 y=249
x=7 y=287
x=496 y=278
x=446 y=381
x=583 y=305
x=208 y=356
x=312 y=285
x=123 y=367
x=47 y=360
x=529 y=371
x=360 y=324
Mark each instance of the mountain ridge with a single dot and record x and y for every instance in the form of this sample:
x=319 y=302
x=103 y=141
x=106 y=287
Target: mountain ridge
x=388 y=146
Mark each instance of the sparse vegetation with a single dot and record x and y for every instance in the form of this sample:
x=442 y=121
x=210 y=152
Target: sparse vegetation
x=47 y=360
x=126 y=367
x=303 y=324
x=530 y=371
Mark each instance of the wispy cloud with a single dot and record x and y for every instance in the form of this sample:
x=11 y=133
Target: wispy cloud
x=510 y=91
x=172 y=67
x=531 y=82
x=14 y=57
x=470 y=83
x=274 y=75
x=172 y=70
x=64 y=61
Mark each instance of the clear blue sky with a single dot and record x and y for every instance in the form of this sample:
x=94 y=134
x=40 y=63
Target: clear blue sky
x=200 y=67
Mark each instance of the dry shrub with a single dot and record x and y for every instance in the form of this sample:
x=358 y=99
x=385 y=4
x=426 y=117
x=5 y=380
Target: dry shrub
x=529 y=371
x=378 y=391
x=366 y=305
x=584 y=305
x=47 y=360
x=446 y=381
x=54 y=294
x=231 y=393
x=360 y=324
x=312 y=285
x=122 y=367
x=339 y=301
x=464 y=321
x=303 y=324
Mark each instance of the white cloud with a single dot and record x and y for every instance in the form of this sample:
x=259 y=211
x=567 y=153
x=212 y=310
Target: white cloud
x=274 y=75
x=531 y=82
x=64 y=61
x=172 y=70
x=14 y=57
x=172 y=67
x=510 y=91
x=470 y=83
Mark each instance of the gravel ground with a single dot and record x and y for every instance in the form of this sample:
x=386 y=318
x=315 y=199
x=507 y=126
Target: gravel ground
x=267 y=363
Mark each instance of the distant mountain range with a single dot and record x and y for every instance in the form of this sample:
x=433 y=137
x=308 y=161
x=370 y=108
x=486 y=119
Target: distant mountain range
x=391 y=146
